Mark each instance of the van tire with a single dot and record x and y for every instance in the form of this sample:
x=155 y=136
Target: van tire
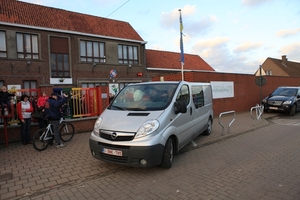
x=168 y=154
x=209 y=127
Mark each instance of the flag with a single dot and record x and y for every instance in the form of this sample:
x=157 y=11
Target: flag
x=181 y=40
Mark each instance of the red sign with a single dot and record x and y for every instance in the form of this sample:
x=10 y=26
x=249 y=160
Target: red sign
x=139 y=74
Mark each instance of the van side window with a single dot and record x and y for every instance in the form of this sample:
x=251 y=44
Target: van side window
x=198 y=95
x=183 y=94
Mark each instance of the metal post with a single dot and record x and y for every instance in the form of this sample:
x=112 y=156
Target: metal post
x=260 y=84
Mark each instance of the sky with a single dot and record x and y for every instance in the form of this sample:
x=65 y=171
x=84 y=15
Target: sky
x=232 y=36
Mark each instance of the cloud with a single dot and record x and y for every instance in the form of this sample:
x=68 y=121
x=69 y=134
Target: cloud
x=287 y=33
x=170 y=20
x=247 y=46
x=254 y=2
x=217 y=54
x=292 y=51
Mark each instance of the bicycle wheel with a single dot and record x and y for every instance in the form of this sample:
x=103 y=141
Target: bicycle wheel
x=66 y=132
x=38 y=141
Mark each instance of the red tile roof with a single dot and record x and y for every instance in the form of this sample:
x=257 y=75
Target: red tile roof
x=171 y=60
x=17 y=12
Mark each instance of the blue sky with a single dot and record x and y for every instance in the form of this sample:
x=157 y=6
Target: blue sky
x=233 y=36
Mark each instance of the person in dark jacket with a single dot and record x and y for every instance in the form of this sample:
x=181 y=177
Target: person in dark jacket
x=5 y=99
x=53 y=114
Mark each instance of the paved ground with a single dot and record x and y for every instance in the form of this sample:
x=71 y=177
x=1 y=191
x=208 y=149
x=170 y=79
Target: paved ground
x=72 y=173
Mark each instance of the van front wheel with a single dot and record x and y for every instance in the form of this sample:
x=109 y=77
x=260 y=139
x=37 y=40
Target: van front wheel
x=209 y=127
x=168 y=154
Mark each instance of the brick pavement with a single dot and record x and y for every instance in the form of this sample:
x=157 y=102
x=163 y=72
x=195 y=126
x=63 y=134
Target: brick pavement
x=29 y=174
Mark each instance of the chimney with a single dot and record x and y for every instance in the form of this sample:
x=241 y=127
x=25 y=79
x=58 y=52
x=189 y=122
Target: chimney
x=284 y=60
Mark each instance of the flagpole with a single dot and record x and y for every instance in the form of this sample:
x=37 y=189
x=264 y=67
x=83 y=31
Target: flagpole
x=181 y=44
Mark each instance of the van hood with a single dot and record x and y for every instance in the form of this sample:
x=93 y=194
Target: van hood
x=126 y=121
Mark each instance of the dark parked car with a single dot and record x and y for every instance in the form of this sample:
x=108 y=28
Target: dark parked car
x=285 y=99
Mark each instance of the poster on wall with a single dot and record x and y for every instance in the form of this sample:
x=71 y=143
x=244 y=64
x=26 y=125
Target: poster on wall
x=222 y=89
x=14 y=89
x=113 y=88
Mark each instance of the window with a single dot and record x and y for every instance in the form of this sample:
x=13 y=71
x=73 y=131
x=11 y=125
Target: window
x=30 y=85
x=27 y=46
x=198 y=97
x=3 y=53
x=128 y=54
x=269 y=72
x=92 y=52
x=91 y=85
x=184 y=94
x=59 y=57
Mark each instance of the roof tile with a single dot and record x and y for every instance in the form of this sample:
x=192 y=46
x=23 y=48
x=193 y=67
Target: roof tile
x=171 y=60
x=17 y=12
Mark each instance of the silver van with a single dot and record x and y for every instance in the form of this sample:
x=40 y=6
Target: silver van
x=147 y=123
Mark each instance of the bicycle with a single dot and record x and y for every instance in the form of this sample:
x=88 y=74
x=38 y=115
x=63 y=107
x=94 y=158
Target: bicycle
x=44 y=137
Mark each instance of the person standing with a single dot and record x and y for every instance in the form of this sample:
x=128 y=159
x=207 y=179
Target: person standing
x=53 y=114
x=40 y=107
x=24 y=109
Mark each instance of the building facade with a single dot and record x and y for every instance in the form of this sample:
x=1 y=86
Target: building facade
x=42 y=46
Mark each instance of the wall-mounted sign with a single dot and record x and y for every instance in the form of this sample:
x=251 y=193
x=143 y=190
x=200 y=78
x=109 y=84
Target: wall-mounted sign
x=222 y=89
x=139 y=74
x=113 y=73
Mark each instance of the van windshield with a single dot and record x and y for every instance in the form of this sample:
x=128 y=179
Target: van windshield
x=144 y=97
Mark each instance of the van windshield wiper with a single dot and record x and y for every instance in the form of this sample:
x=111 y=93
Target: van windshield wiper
x=119 y=108
x=137 y=109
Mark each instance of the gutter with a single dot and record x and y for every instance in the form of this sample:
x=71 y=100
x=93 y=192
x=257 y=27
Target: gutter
x=179 y=70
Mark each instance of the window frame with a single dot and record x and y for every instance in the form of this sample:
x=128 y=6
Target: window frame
x=59 y=57
x=128 y=54
x=3 y=44
x=92 y=51
x=27 y=46
x=30 y=84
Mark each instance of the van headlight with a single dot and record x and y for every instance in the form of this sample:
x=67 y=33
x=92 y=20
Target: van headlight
x=147 y=128
x=97 y=126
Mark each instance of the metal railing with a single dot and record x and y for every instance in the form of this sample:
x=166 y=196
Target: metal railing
x=225 y=113
x=259 y=110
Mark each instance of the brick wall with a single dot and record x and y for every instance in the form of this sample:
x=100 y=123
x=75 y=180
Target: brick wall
x=246 y=93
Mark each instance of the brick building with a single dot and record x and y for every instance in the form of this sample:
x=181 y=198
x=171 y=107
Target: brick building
x=46 y=46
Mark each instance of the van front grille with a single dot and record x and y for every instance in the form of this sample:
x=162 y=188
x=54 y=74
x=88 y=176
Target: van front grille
x=115 y=159
x=116 y=136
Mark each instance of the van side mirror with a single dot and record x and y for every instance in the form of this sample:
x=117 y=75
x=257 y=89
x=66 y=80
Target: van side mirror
x=180 y=107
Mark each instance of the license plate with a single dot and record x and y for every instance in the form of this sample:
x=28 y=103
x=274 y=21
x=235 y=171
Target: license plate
x=112 y=152
x=273 y=108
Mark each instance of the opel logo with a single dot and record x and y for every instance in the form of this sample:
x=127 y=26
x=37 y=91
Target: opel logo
x=114 y=135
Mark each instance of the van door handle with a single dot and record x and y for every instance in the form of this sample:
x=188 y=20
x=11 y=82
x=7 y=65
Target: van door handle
x=190 y=110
